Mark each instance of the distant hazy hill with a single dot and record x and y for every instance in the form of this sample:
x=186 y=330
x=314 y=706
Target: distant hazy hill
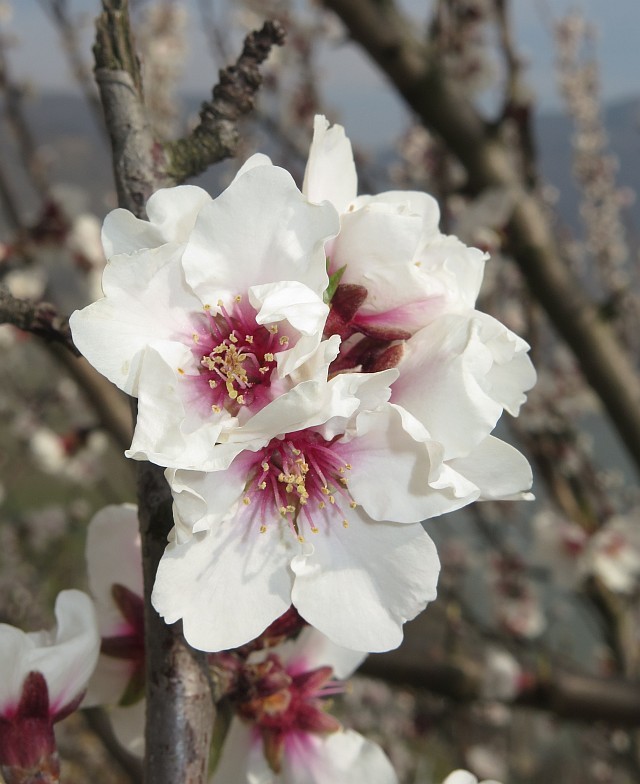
x=78 y=155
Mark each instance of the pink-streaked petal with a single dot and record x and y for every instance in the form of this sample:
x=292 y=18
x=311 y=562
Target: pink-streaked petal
x=174 y=426
x=396 y=477
x=113 y=556
x=70 y=657
x=330 y=173
x=344 y=757
x=312 y=649
x=227 y=584
x=358 y=585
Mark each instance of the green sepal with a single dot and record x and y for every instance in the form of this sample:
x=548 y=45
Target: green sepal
x=334 y=282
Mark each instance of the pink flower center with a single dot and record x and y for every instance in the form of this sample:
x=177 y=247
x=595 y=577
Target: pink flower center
x=300 y=478
x=236 y=356
x=281 y=702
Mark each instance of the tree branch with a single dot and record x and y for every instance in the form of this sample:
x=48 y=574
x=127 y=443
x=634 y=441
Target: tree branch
x=390 y=41
x=40 y=318
x=216 y=135
x=563 y=693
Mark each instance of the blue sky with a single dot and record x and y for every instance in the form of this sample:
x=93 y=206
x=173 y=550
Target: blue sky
x=347 y=76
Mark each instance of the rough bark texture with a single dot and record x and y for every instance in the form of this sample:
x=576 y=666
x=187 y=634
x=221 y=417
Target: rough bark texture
x=407 y=62
x=40 y=318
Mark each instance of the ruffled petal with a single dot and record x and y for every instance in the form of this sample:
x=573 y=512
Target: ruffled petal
x=260 y=230
x=146 y=299
x=358 y=585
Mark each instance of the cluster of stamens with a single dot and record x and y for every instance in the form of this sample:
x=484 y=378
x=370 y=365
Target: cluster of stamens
x=299 y=478
x=237 y=356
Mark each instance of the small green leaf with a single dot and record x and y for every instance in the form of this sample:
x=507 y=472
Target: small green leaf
x=334 y=282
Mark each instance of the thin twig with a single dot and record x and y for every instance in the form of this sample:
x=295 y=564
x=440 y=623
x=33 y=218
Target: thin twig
x=40 y=318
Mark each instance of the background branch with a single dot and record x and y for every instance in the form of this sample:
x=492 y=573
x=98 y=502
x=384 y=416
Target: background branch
x=40 y=318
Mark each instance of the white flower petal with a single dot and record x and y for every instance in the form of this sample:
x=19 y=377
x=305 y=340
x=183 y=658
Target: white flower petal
x=330 y=173
x=499 y=471
x=227 y=585
x=360 y=584
x=260 y=230
x=396 y=477
x=338 y=758
x=289 y=301
x=70 y=657
x=311 y=650
x=146 y=299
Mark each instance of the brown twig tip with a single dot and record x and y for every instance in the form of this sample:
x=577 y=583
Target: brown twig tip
x=216 y=135
x=39 y=318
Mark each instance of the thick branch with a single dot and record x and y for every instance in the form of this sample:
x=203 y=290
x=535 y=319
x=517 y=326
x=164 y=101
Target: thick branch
x=565 y=694
x=216 y=135
x=40 y=318
x=390 y=41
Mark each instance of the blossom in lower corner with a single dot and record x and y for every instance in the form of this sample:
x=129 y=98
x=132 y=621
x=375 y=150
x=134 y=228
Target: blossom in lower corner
x=212 y=308
x=114 y=567
x=464 y=777
x=282 y=734
x=45 y=675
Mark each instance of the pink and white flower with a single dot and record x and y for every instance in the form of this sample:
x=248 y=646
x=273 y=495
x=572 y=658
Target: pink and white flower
x=212 y=309
x=402 y=280
x=283 y=735
x=44 y=678
x=324 y=517
x=114 y=566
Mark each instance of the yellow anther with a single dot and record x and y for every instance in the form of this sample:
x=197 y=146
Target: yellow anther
x=213 y=383
x=289 y=488
x=248 y=338
x=238 y=298
x=325 y=490
x=273 y=329
x=314 y=530
x=262 y=486
x=332 y=499
x=344 y=481
x=268 y=357
x=246 y=500
x=296 y=451
x=353 y=505
x=195 y=337
x=240 y=401
x=345 y=523
x=304 y=500
x=263 y=529
x=301 y=539
x=220 y=303
x=233 y=338
x=207 y=307
x=264 y=466
x=181 y=371
x=283 y=340
x=347 y=466
x=283 y=511
x=216 y=409
x=291 y=508
x=321 y=505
